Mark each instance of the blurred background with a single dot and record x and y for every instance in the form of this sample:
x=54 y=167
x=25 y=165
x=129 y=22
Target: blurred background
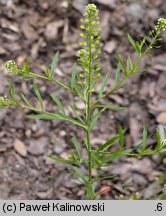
x=36 y=30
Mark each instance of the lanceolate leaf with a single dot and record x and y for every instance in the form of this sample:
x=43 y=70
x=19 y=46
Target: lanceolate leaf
x=116 y=154
x=36 y=90
x=59 y=159
x=105 y=80
x=121 y=138
x=73 y=75
x=77 y=113
x=118 y=72
x=111 y=107
x=58 y=102
x=108 y=143
x=58 y=116
x=120 y=61
x=133 y=43
x=90 y=192
x=158 y=138
x=54 y=63
x=26 y=101
x=76 y=145
x=78 y=173
x=11 y=90
x=94 y=119
x=145 y=137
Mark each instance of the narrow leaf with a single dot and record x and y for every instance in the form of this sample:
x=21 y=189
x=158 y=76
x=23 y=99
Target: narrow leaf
x=78 y=173
x=94 y=119
x=105 y=80
x=41 y=116
x=26 y=101
x=118 y=72
x=121 y=138
x=77 y=113
x=120 y=61
x=58 y=102
x=36 y=90
x=59 y=159
x=116 y=154
x=164 y=133
x=145 y=136
x=158 y=138
x=90 y=192
x=111 y=107
x=76 y=145
x=133 y=43
x=108 y=143
x=73 y=75
x=58 y=116
x=54 y=62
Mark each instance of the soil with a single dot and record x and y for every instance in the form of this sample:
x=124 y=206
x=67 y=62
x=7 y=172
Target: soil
x=36 y=30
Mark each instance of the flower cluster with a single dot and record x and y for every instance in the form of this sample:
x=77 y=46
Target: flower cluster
x=161 y=25
x=90 y=51
x=12 y=67
x=4 y=102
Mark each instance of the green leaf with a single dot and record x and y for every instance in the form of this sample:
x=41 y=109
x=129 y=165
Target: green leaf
x=76 y=145
x=58 y=159
x=12 y=92
x=112 y=107
x=120 y=61
x=78 y=173
x=98 y=179
x=86 y=144
x=121 y=137
x=41 y=116
x=54 y=63
x=105 y=80
x=36 y=90
x=117 y=154
x=108 y=144
x=90 y=192
x=77 y=113
x=94 y=119
x=158 y=138
x=118 y=72
x=145 y=137
x=73 y=75
x=58 y=102
x=129 y=64
x=133 y=43
x=26 y=101
x=58 y=116
x=25 y=67
x=164 y=133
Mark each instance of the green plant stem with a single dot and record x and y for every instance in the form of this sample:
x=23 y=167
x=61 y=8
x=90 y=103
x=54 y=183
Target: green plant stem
x=88 y=108
x=52 y=114
x=118 y=85
x=57 y=82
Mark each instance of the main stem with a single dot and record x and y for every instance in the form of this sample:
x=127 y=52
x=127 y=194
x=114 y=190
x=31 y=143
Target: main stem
x=88 y=108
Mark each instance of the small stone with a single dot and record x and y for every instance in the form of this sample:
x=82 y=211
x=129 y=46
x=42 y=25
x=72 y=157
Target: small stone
x=161 y=118
x=37 y=147
x=51 y=31
x=45 y=195
x=110 y=46
x=20 y=147
x=140 y=180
